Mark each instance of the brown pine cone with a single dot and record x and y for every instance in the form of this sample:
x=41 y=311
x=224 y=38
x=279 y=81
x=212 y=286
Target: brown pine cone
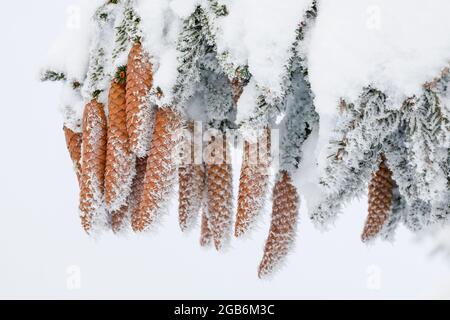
x=191 y=179
x=137 y=188
x=253 y=182
x=206 y=236
x=380 y=201
x=283 y=226
x=93 y=164
x=219 y=184
x=139 y=112
x=119 y=159
x=192 y=183
x=73 y=142
x=161 y=167
x=118 y=218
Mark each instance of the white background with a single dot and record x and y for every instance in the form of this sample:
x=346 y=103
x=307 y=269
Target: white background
x=45 y=254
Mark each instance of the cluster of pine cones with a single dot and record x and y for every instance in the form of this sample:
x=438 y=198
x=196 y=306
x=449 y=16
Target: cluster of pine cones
x=126 y=164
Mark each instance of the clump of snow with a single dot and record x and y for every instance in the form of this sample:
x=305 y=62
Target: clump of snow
x=161 y=27
x=70 y=53
x=260 y=33
x=183 y=8
x=394 y=46
x=72 y=106
x=247 y=103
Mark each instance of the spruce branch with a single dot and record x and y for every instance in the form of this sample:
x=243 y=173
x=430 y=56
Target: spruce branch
x=51 y=75
x=219 y=10
x=128 y=31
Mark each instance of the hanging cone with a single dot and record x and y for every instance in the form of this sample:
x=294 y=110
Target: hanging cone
x=118 y=218
x=73 y=142
x=206 y=236
x=253 y=182
x=192 y=182
x=137 y=189
x=191 y=178
x=161 y=166
x=380 y=201
x=219 y=186
x=119 y=159
x=139 y=113
x=93 y=164
x=283 y=226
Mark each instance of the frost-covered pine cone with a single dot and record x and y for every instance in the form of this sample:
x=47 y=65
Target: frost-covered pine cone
x=283 y=226
x=119 y=159
x=93 y=164
x=206 y=236
x=139 y=112
x=191 y=179
x=253 y=183
x=73 y=142
x=219 y=184
x=191 y=185
x=137 y=188
x=118 y=218
x=380 y=201
x=161 y=167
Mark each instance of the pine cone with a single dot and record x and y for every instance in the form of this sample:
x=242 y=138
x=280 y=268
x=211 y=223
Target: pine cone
x=380 y=201
x=206 y=235
x=283 y=226
x=137 y=188
x=161 y=166
x=118 y=218
x=139 y=112
x=253 y=182
x=93 y=164
x=119 y=159
x=219 y=184
x=191 y=178
x=73 y=142
x=192 y=183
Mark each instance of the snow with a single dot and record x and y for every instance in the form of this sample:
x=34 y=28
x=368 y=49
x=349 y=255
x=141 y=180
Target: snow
x=161 y=27
x=69 y=53
x=72 y=106
x=395 y=46
x=183 y=8
x=247 y=101
x=260 y=33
